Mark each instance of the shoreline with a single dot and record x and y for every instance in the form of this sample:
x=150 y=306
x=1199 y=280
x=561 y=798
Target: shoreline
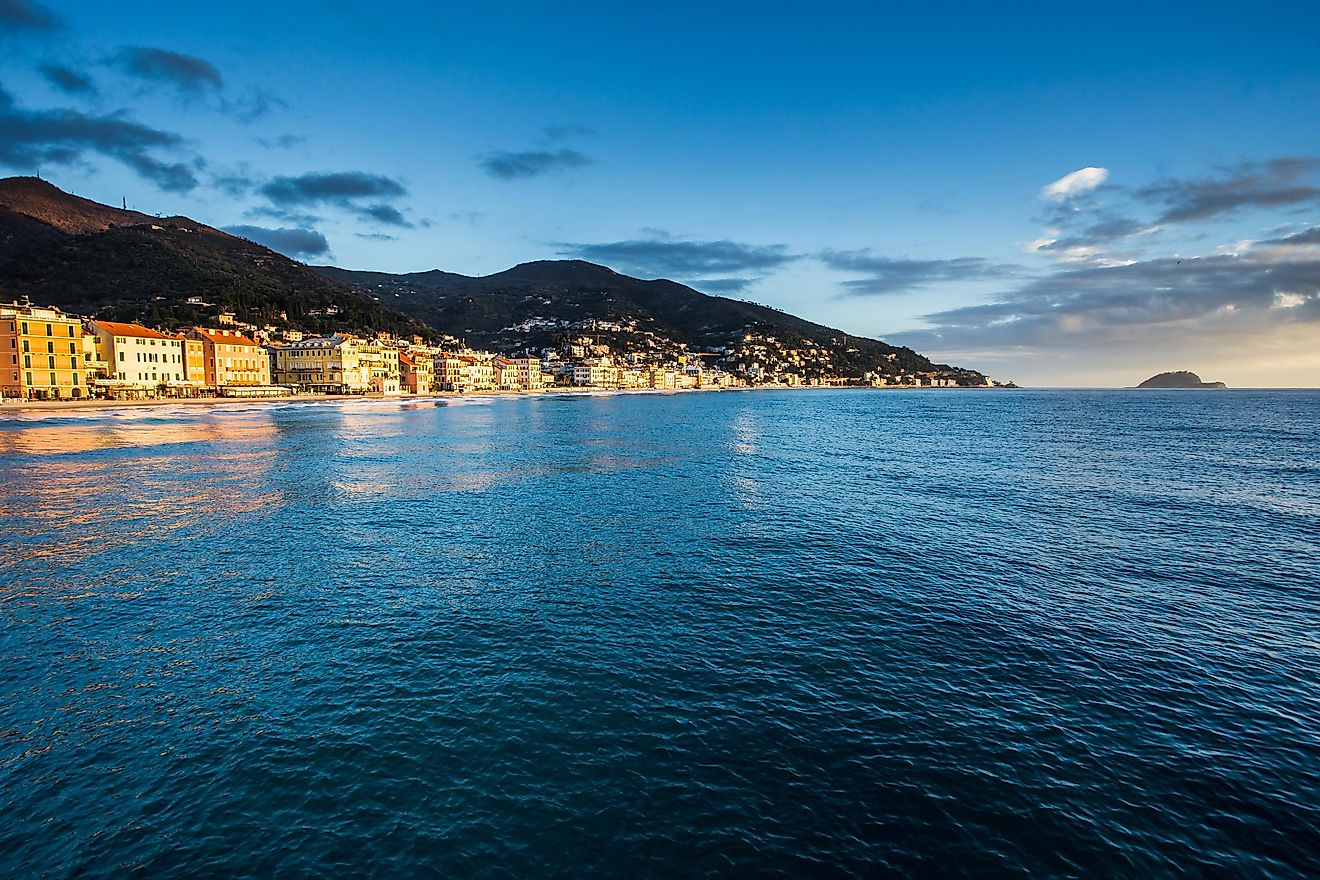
x=20 y=406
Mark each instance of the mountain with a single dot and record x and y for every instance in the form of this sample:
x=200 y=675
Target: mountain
x=97 y=260
x=1181 y=379
x=93 y=259
x=535 y=305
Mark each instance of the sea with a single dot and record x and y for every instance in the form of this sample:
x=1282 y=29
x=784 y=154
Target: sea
x=813 y=633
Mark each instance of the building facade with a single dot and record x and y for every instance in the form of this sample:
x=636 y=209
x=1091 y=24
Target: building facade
x=140 y=362
x=232 y=359
x=42 y=354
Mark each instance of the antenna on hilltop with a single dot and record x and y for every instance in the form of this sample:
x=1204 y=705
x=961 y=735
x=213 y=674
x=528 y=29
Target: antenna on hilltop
x=125 y=198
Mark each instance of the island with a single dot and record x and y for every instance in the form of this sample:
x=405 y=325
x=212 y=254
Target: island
x=1180 y=379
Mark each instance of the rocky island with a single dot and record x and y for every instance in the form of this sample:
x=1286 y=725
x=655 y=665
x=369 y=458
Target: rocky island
x=1181 y=379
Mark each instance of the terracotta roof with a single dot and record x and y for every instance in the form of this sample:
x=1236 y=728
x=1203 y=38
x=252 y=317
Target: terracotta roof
x=405 y=359
x=114 y=328
x=225 y=337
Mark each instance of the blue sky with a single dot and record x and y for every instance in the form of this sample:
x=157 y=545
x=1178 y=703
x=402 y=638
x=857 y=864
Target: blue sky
x=883 y=170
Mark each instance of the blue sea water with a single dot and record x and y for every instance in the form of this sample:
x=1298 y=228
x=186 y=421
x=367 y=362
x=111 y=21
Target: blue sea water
x=799 y=634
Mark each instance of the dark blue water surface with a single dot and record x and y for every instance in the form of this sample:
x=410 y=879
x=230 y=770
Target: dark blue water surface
x=969 y=634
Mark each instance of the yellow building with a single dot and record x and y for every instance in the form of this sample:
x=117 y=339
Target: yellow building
x=43 y=354
x=232 y=359
x=194 y=361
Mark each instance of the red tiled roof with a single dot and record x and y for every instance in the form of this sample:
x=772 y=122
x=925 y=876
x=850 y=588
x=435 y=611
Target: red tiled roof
x=225 y=337
x=114 y=328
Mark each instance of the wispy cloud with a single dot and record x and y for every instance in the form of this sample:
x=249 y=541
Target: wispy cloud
x=1124 y=305
x=553 y=134
x=664 y=257
x=1278 y=183
x=890 y=275
x=27 y=16
x=183 y=72
x=361 y=193
x=68 y=80
x=1077 y=182
x=531 y=163
x=31 y=138
x=292 y=242
x=282 y=142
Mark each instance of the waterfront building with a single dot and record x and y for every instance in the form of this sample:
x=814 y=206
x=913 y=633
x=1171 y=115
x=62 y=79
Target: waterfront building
x=323 y=365
x=380 y=359
x=194 y=363
x=527 y=373
x=232 y=359
x=140 y=362
x=43 y=354
x=417 y=372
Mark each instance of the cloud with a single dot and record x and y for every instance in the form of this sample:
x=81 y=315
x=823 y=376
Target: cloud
x=676 y=258
x=1306 y=236
x=533 y=163
x=723 y=285
x=283 y=142
x=887 y=275
x=385 y=214
x=1141 y=303
x=184 y=72
x=1080 y=181
x=255 y=104
x=295 y=242
x=1278 y=183
x=31 y=138
x=26 y=15
x=377 y=236
x=343 y=189
x=66 y=79
x=553 y=134
x=332 y=187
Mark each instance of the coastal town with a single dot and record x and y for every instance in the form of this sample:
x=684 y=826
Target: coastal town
x=53 y=356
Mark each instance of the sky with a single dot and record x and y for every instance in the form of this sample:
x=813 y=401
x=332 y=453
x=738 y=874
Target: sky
x=1057 y=194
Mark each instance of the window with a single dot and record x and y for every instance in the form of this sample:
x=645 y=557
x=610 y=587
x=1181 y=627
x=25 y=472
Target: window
x=26 y=347
x=73 y=363
x=75 y=378
x=70 y=331
x=28 y=376
x=27 y=361
x=50 y=365
x=50 y=348
x=50 y=331
x=121 y=360
x=52 y=379
x=73 y=349
x=25 y=330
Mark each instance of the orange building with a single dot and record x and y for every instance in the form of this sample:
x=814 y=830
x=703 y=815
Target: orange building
x=232 y=359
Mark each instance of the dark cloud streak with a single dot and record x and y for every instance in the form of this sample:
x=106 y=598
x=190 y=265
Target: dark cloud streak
x=30 y=138
x=532 y=163
x=25 y=15
x=68 y=80
x=670 y=258
x=342 y=189
x=888 y=275
x=184 y=72
x=1278 y=183
x=295 y=242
